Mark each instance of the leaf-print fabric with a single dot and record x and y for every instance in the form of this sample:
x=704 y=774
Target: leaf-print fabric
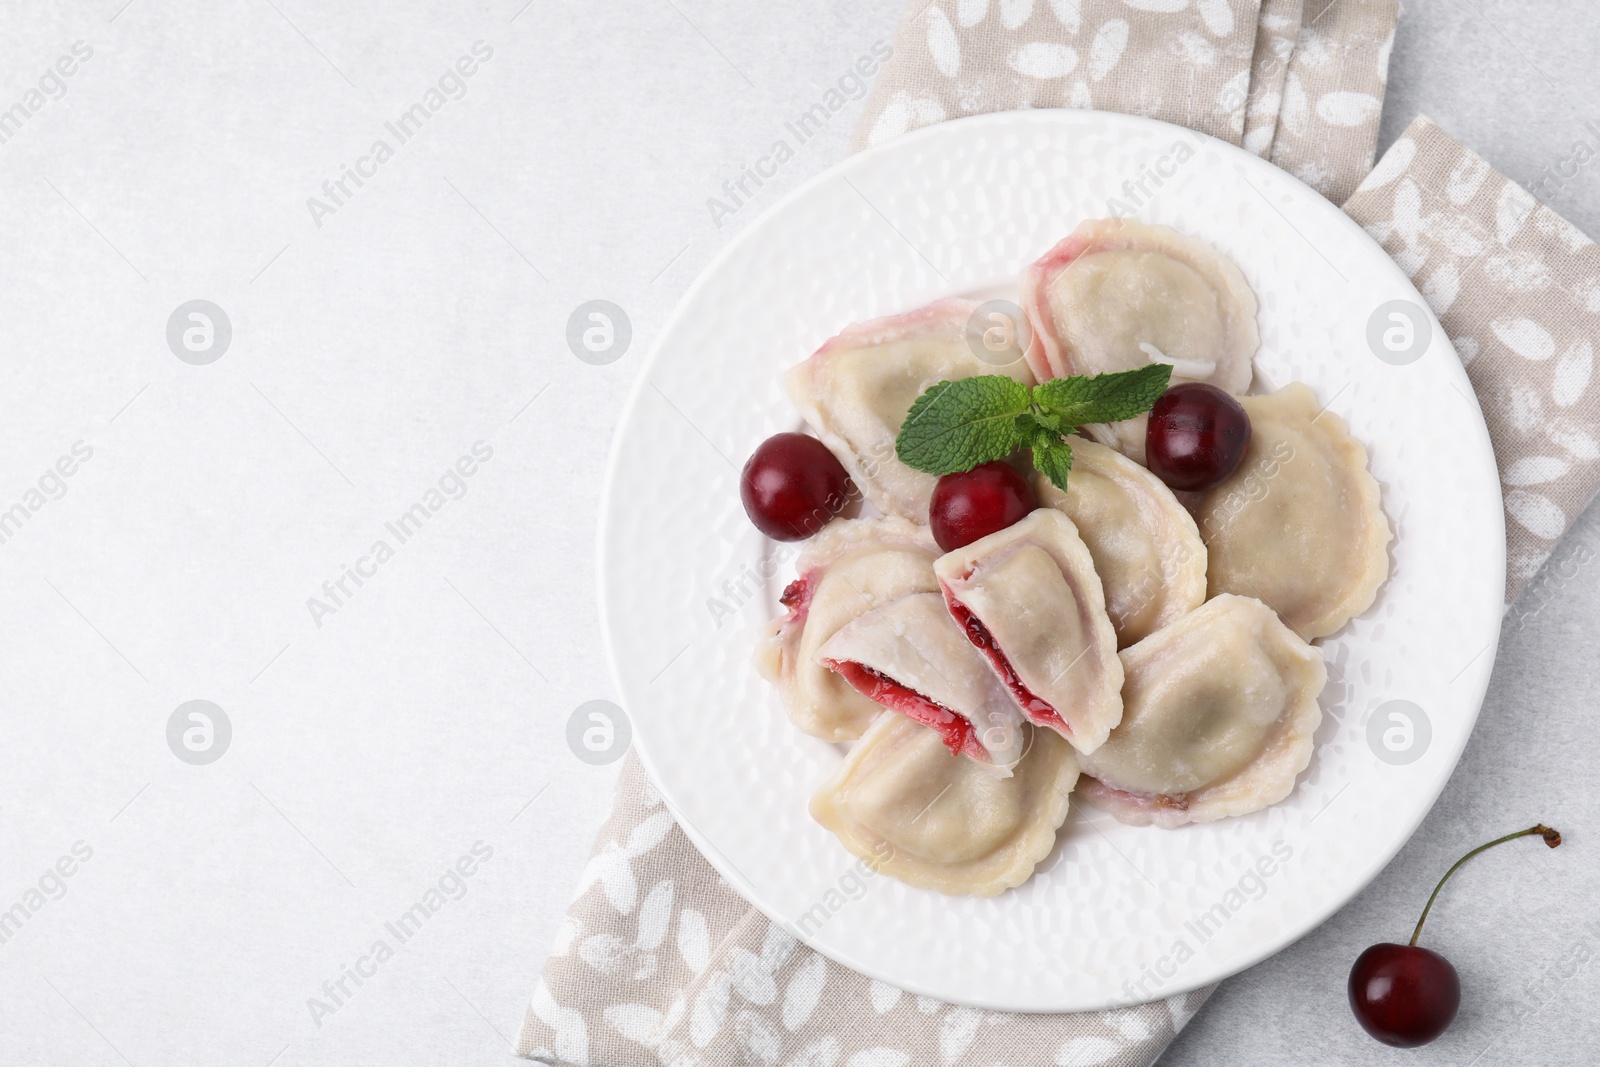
x=1517 y=289
x=1333 y=89
x=1269 y=69
x=1299 y=82
x=1184 y=61
x=687 y=974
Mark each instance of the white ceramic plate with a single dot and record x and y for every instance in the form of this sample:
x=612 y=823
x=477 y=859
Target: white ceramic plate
x=1117 y=914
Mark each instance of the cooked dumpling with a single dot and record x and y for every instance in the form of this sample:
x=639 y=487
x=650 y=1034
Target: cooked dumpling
x=911 y=657
x=1029 y=599
x=908 y=807
x=850 y=568
x=1114 y=289
x=1299 y=523
x=1146 y=548
x=1218 y=715
x=856 y=390
x=1117 y=294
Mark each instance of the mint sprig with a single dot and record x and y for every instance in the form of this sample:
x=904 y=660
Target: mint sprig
x=955 y=426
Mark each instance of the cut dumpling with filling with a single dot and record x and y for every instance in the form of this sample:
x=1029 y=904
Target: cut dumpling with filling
x=852 y=567
x=1219 y=710
x=1299 y=524
x=1029 y=599
x=1146 y=548
x=856 y=390
x=911 y=657
x=910 y=808
x=1116 y=295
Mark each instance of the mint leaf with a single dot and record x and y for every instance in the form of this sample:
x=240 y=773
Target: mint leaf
x=1103 y=397
x=955 y=426
x=1053 y=456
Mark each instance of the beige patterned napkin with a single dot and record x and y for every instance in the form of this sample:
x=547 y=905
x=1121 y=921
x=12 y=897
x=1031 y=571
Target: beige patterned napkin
x=1165 y=59
x=1517 y=289
x=1299 y=82
x=660 y=962
x=1269 y=69
x=1327 y=127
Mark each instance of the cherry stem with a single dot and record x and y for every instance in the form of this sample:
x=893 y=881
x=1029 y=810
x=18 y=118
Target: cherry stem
x=1551 y=838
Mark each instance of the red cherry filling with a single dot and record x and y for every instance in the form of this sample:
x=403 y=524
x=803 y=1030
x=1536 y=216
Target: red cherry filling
x=1033 y=706
x=797 y=597
x=792 y=486
x=1196 y=436
x=972 y=504
x=957 y=733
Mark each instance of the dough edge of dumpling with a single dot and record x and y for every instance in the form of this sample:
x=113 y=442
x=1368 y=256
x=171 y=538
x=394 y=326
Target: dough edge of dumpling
x=1013 y=864
x=1266 y=780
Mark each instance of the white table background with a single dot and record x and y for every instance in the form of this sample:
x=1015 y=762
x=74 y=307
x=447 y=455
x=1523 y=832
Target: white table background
x=368 y=354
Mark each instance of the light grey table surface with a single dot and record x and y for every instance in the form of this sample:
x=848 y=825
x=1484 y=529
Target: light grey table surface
x=377 y=738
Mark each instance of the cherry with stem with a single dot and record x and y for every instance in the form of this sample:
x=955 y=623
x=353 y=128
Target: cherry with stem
x=1406 y=995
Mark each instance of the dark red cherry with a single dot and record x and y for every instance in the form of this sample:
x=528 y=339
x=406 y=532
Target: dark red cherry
x=976 y=503
x=1404 y=995
x=1196 y=437
x=792 y=486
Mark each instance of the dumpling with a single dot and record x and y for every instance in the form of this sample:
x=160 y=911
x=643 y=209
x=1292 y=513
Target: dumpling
x=1218 y=715
x=856 y=390
x=908 y=807
x=1118 y=294
x=1029 y=599
x=1146 y=548
x=851 y=567
x=1299 y=523
x=911 y=657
